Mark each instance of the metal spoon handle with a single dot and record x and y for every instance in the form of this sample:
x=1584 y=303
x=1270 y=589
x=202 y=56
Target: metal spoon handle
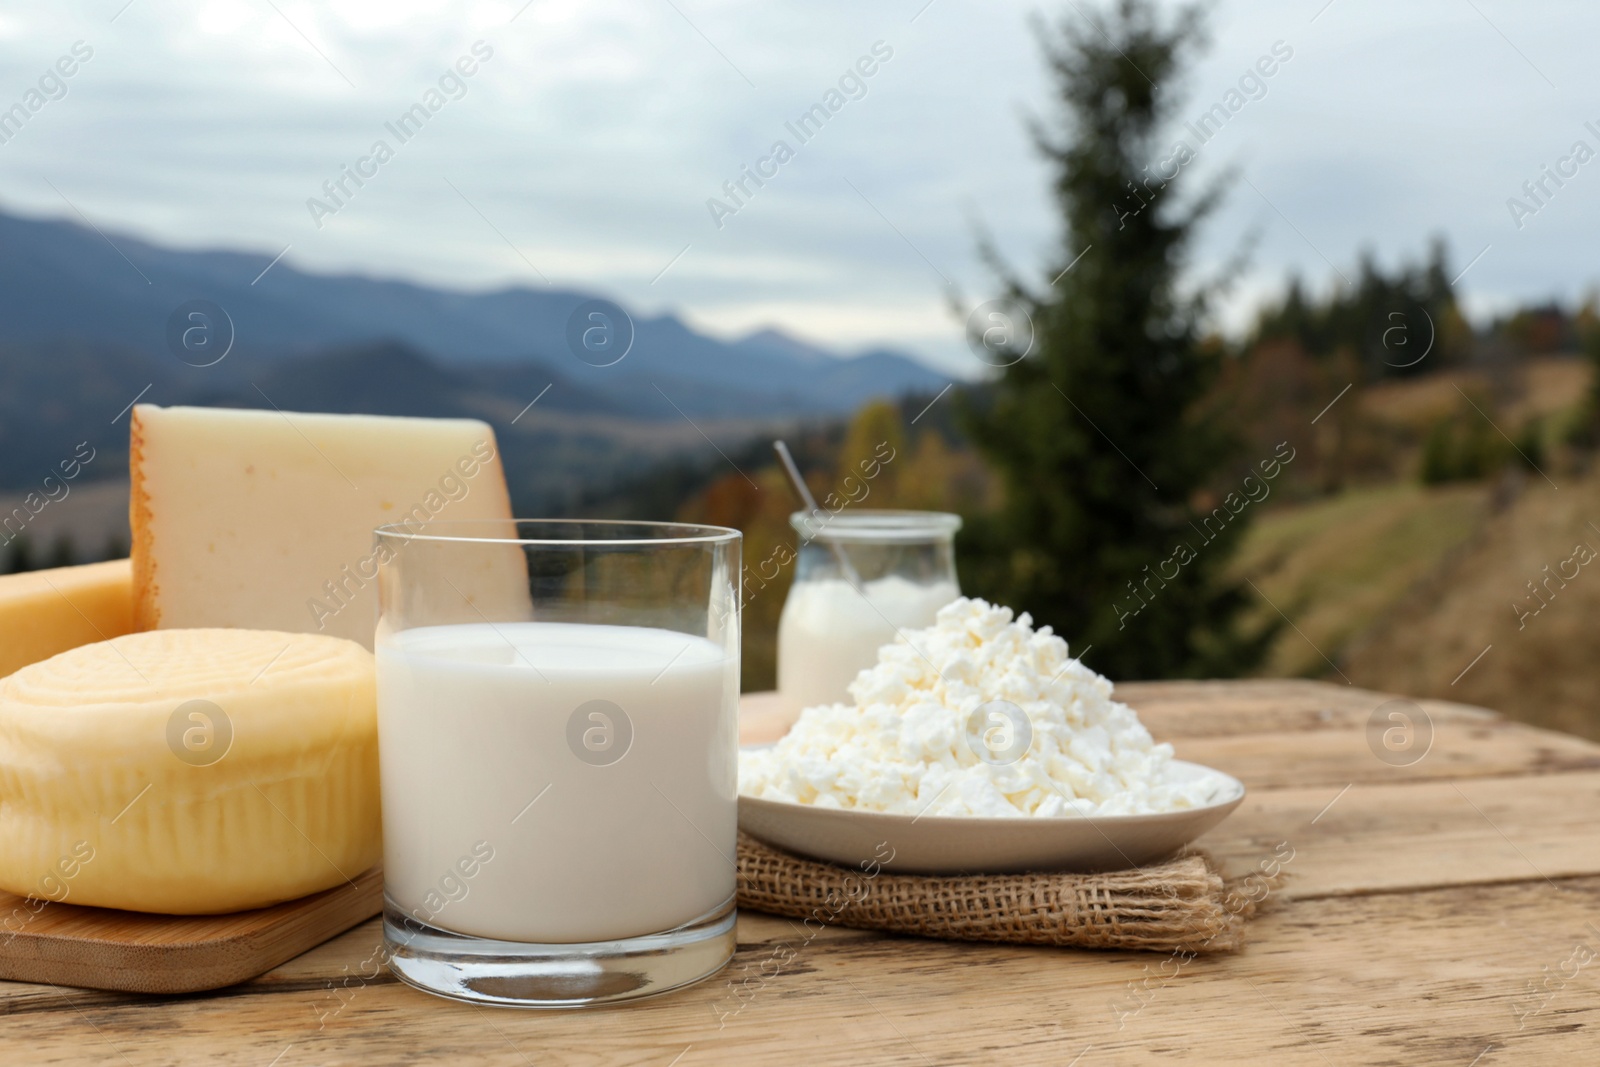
x=804 y=493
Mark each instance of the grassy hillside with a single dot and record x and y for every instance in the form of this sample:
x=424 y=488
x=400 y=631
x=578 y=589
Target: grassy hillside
x=1543 y=658
x=1339 y=567
x=1403 y=586
x=1424 y=590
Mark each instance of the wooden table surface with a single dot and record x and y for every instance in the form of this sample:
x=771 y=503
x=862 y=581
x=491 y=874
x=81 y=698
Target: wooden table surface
x=1440 y=910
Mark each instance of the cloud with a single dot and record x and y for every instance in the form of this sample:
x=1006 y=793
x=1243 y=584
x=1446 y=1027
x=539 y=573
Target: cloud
x=590 y=144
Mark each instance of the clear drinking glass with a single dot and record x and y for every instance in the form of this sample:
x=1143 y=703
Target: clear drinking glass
x=558 y=738
x=901 y=571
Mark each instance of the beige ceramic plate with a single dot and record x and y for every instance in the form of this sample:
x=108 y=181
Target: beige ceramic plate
x=943 y=844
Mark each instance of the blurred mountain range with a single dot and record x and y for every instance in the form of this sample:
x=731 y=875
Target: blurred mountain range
x=85 y=320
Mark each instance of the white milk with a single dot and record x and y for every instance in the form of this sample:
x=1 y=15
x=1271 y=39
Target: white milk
x=473 y=725
x=829 y=632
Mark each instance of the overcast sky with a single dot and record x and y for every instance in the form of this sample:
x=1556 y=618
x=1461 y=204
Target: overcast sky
x=585 y=148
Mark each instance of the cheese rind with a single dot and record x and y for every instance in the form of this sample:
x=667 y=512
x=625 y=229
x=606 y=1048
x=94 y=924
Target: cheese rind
x=265 y=518
x=49 y=611
x=271 y=793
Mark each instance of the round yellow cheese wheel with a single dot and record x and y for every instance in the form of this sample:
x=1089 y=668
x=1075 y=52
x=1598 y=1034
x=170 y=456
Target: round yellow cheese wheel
x=189 y=771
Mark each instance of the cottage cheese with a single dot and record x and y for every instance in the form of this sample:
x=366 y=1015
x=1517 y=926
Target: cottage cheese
x=911 y=743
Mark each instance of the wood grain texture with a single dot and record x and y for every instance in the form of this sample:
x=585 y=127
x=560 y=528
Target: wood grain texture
x=1322 y=983
x=1461 y=749
x=1424 y=907
x=101 y=948
x=1398 y=838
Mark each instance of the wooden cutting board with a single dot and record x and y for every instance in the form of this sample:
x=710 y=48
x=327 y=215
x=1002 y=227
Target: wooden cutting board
x=135 y=952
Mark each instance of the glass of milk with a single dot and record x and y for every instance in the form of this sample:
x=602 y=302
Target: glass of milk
x=898 y=570
x=558 y=740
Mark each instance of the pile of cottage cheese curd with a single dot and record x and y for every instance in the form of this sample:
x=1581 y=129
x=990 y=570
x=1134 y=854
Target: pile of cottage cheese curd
x=913 y=745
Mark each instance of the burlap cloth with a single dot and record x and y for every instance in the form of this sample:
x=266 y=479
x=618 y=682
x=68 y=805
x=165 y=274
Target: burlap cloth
x=1180 y=904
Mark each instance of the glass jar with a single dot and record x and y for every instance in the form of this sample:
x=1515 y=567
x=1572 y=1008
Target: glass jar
x=901 y=571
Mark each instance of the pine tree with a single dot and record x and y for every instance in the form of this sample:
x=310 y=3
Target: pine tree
x=1398 y=325
x=20 y=557
x=63 y=552
x=1101 y=435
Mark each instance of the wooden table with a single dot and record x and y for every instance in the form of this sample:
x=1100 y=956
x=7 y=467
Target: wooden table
x=1442 y=912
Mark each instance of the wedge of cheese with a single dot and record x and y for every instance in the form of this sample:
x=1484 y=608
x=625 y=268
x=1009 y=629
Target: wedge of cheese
x=189 y=771
x=50 y=611
x=265 y=519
